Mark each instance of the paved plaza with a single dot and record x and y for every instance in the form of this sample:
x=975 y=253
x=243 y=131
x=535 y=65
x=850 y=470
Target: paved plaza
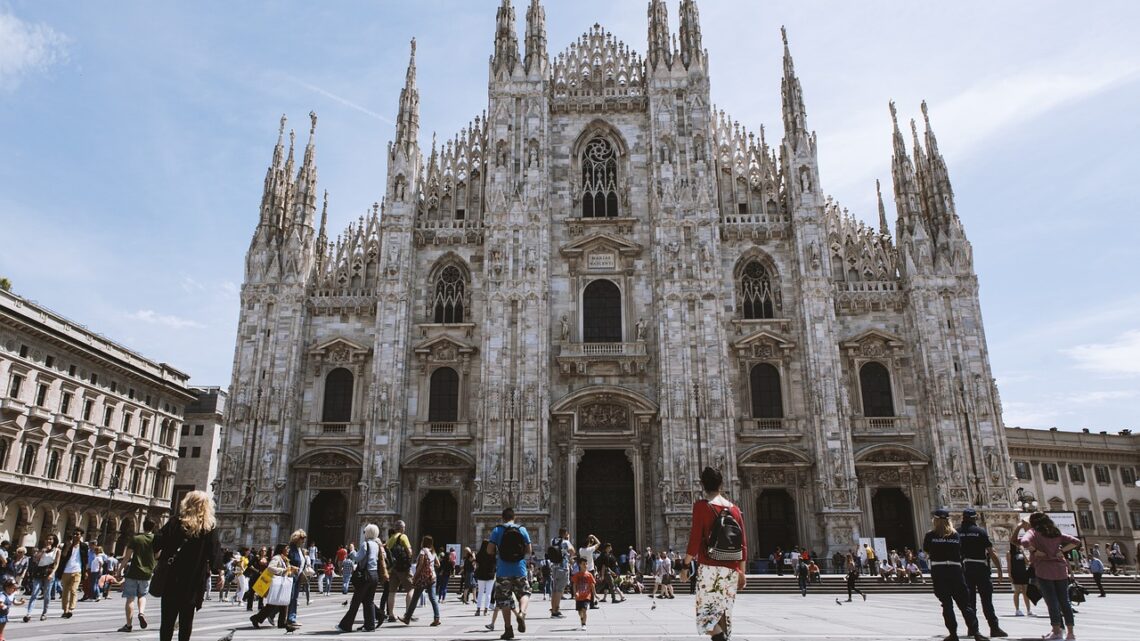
x=783 y=616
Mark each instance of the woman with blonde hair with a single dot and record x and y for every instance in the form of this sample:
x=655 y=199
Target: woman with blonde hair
x=298 y=562
x=188 y=546
x=944 y=547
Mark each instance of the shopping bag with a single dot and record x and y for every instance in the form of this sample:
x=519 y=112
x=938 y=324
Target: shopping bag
x=281 y=591
x=262 y=584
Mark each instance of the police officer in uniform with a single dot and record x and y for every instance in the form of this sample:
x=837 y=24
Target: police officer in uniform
x=944 y=549
x=977 y=551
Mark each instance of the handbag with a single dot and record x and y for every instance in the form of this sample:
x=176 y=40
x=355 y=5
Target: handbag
x=281 y=591
x=360 y=572
x=264 y=580
x=162 y=571
x=423 y=578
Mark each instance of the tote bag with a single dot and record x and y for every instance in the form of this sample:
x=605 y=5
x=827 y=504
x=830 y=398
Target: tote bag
x=281 y=591
x=261 y=586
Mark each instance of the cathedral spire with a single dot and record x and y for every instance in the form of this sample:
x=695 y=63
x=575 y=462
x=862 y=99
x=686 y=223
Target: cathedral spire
x=506 y=40
x=795 y=116
x=691 y=48
x=536 y=56
x=408 y=120
x=905 y=181
x=942 y=192
x=273 y=178
x=883 y=228
x=306 y=203
x=287 y=188
x=659 y=50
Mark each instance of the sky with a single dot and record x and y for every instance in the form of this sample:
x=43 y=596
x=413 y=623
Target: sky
x=136 y=134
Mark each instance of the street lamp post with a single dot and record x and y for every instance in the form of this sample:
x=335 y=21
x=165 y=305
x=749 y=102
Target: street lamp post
x=1026 y=501
x=112 y=485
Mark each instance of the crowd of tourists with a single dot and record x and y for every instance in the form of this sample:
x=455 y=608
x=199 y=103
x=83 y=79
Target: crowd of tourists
x=389 y=578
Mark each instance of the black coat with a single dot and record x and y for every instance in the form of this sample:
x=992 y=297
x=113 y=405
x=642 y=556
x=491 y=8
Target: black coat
x=196 y=559
x=84 y=560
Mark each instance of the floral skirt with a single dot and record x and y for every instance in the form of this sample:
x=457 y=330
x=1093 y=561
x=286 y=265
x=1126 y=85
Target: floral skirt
x=716 y=592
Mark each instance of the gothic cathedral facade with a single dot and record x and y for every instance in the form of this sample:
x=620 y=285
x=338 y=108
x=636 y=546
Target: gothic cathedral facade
x=597 y=288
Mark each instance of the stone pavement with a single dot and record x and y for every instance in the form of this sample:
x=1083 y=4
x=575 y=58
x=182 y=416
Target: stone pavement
x=814 y=618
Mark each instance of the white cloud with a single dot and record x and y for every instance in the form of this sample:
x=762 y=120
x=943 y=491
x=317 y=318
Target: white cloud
x=1102 y=396
x=154 y=318
x=27 y=48
x=344 y=101
x=1035 y=415
x=1118 y=358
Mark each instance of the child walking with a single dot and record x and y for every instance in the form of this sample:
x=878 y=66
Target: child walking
x=7 y=601
x=584 y=593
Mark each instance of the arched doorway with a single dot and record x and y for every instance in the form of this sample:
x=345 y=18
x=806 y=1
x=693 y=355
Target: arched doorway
x=775 y=522
x=328 y=514
x=604 y=499
x=439 y=517
x=894 y=518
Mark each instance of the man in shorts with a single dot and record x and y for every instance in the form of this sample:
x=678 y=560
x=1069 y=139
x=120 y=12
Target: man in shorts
x=139 y=562
x=511 y=544
x=560 y=571
x=584 y=594
x=400 y=575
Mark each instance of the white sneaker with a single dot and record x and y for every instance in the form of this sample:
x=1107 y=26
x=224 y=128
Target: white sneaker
x=1018 y=614
x=583 y=628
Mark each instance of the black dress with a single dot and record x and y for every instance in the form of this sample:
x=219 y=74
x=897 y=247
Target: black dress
x=195 y=559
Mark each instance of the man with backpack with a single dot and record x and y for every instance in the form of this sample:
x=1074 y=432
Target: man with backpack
x=559 y=554
x=717 y=540
x=511 y=544
x=400 y=576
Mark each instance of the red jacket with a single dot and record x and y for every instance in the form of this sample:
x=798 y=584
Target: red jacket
x=703 y=515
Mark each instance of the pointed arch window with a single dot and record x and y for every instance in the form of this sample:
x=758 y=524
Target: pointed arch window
x=337 y=407
x=443 y=398
x=767 y=401
x=601 y=313
x=599 y=180
x=875 y=384
x=756 y=292
x=448 y=297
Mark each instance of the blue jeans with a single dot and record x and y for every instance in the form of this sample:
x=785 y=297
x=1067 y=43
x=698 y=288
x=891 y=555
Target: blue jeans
x=416 y=599
x=346 y=580
x=291 y=616
x=1056 y=595
x=41 y=588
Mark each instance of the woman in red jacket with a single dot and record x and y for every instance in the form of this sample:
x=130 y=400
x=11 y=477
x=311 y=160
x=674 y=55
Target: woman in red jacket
x=721 y=549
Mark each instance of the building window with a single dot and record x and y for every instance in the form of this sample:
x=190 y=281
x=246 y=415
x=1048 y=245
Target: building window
x=127 y=422
x=875 y=384
x=195 y=452
x=756 y=292
x=49 y=361
x=1111 y=520
x=449 y=296
x=76 y=468
x=136 y=481
x=1134 y=515
x=185 y=430
x=1085 y=519
x=599 y=180
x=1077 y=473
x=1049 y=472
x=1102 y=476
x=97 y=471
x=144 y=428
x=28 y=464
x=41 y=394
x=198 y=429
x=443 y=398
x=23 y=351
x=1022 y=470
x=14 y=386
x=64 y=402
x=1129 y=476
x=88 y=406
x=3 y=453
x=601 y=313
x=53 y=465
x=767 y=401
x=182 y=452
x=107 y=412
x=338 y=397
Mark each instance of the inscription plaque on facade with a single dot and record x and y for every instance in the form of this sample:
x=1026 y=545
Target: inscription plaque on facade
x=601 y=261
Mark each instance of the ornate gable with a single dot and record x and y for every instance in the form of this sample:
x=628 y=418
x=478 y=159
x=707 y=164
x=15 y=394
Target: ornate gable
x=339 y=351
x=874 y=343
x=763 y=344
x=444 y=349
x=601 y=252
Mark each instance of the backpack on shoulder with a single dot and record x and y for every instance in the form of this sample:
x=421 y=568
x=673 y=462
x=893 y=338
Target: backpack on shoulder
x=554 y=552
x=401 y=557
x=726 y=538
x=512 y=547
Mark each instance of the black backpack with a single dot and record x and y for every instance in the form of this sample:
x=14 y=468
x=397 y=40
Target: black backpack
x=512 y=547
x=401 y=557
x=554 y=552
x=726 y=538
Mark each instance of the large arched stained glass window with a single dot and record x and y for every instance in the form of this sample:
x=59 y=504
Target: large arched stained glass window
x=443 y=398
x=756 y=292
x=601 y=313
x=338 y=397
x=599 y=180
x=447 y=300
x=875 y=384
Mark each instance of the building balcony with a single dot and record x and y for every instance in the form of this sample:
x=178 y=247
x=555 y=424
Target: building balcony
x=603 y=359
x=435 y=431
x=333 y=432
x=767 y=427
x=39 y=415
x=62 y=420
x=755 y=226
x=886 y=426
x=11 y=408
x=86 y=426
x=448 y=232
